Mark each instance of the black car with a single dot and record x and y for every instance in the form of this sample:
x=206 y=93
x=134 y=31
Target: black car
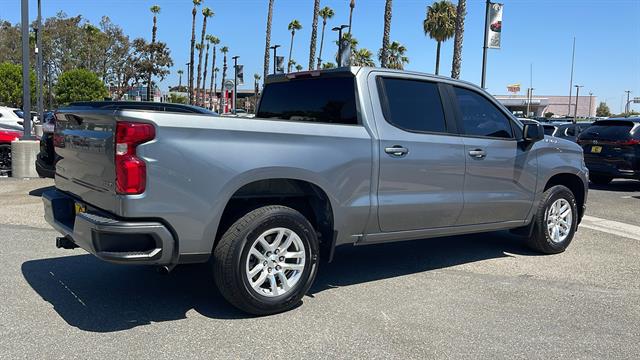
x=47 y=158
x=569 y=131
x=612 y=149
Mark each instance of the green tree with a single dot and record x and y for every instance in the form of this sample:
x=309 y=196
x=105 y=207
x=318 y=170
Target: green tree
x=328 y=65
x=293 y=26
x=440 y=25
x=178 y=99
x=299 y=67
x=194 y=12
x=603 y=110
x=206 y=13
x=214 y=41
x=461 y=12
x=363 y=57
x=267 y=45
x=79 y=85
x=209 y=39
x=11 y=84
x=224 y=50
x=384 y=54
x=314 y=34
x=326 y=13
x=155 y=10
x=396 y=58
x=150 y=58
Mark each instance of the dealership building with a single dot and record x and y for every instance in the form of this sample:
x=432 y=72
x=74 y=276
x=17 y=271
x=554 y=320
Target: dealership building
x=542 y=104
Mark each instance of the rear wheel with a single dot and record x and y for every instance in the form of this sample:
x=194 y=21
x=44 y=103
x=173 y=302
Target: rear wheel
x=5 y=159
x=600 y=179
x=267 y=260
x=556 y=221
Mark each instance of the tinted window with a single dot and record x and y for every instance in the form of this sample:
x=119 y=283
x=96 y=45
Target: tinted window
x=324 y=100
x=571 y=130
x=608 y=130
x=413 y=105
x=549 y=130
x=480 y=117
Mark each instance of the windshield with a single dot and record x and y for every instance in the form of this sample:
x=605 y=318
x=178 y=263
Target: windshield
x=324 y=100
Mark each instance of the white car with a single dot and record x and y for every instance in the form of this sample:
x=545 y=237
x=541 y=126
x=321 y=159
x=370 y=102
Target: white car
x=10 y=118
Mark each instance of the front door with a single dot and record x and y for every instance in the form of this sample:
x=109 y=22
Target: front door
x=422 y=165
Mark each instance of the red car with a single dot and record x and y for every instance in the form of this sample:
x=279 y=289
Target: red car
x=6 y=137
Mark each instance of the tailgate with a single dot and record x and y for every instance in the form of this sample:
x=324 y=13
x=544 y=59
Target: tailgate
x=84 y=140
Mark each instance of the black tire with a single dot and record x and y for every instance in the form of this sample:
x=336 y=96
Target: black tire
x=540 y=239
x=5 y=159
x=231 y=253
x=600 y=179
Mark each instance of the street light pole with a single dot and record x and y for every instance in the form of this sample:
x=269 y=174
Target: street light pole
x=26 y=79
x=188 y=86
x=575 y=113
x=590 y=102
x=626 y=107
x=339 y=30
x=275 y=58
x=235 y=83
x=573 y=58
x=486 y=45
x=40 y=89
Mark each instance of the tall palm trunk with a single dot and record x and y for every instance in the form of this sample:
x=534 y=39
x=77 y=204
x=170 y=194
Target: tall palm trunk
x=438 y=58
x=351 y=6
x=293 y=33
x=180 y=82
x=204 y=29
x=267 y=44
x=213 y=78
x=193 y=46
x=384 y=61
x=461 y=12
x=204 y=77
x=153 y=41
x=224 y=72
x=215 y=91
x=314 y=34
x=324 y=25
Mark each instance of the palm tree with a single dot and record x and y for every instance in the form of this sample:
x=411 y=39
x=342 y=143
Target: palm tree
x=299 y=67
x=155 y=10
x=294 y=26
x=326 y=13
x=256 y=89
x=461 y=12
x=384 y=52
x=224 y=50
x=267 y=45
x=352 y=5
x=194 y=12
x=314 y=34
x=215 y=94
x=353 y=44
x=214 y=41
x=396 y=58
x=328 y=65
x=363 y=57
x=206 y=13
x=206 y=66
x=180 y=72
x=440 y=25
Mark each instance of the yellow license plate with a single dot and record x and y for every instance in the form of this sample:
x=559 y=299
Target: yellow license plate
x=80 y=208
x=596 y=149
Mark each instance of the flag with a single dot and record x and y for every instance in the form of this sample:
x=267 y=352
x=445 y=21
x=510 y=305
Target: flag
x=494 y=25
x=280 y=64
x=240 y=74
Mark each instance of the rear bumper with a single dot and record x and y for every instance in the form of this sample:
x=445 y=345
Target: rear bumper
x=110 y=239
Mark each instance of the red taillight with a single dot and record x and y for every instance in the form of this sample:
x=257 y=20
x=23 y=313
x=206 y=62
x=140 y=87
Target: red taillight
x=131 y=171
x=629 y=142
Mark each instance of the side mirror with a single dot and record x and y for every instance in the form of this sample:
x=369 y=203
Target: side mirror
x=533 y=132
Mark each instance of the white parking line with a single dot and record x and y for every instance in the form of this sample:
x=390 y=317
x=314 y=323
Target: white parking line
x=611 y=227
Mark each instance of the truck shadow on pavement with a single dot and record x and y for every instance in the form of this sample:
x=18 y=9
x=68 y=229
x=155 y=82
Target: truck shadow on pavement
x=618 y=185
x=99 y=297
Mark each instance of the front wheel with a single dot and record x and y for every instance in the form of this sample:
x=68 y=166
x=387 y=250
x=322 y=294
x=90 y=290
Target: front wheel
x=556 y=221
x=267 y=260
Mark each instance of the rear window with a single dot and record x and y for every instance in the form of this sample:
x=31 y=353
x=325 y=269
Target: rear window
x=549 y=130
x=608 y=130
x=323 y=100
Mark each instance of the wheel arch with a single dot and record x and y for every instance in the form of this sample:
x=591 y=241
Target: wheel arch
x=574 y=183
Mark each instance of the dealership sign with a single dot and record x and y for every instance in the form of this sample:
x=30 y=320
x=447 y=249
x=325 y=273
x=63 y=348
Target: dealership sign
x=494 y=25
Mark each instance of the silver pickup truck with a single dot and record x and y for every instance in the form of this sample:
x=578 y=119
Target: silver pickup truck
x=347 y=156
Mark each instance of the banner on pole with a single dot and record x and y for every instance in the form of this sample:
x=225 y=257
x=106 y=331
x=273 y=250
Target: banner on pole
x=344 y=57
x=280 y=64
x=240 y=72
x=495 y=25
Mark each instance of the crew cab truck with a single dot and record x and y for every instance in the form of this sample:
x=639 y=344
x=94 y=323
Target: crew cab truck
x=344 y=156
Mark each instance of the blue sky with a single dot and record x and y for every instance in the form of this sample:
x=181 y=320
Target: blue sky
x=538 y=32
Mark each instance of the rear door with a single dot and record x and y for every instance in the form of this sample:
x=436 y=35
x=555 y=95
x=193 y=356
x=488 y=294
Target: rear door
x=421 y=162
x=500 y=177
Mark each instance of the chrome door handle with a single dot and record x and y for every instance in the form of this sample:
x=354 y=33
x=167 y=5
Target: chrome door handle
x=396 y=150
x=477 y=154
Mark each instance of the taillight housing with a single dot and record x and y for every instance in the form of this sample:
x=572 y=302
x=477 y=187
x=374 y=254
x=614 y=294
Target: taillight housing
x=630 y=142
x=131 y=171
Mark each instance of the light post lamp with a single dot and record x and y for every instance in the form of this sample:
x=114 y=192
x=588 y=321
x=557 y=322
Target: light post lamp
x=189 y=85
x=275 y=58
x=339 y=30
x=590 y=101
x=575 y=113
x=235 y=82
x=627 y=106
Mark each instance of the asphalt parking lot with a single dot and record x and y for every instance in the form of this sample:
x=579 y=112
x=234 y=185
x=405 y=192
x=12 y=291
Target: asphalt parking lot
x=481 y=296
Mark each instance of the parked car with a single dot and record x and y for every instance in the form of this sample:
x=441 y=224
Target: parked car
x=6 y=137
x=569 y=131
x=47 y=158
x=11 y=118
x=612 y=149
x=348 y=156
